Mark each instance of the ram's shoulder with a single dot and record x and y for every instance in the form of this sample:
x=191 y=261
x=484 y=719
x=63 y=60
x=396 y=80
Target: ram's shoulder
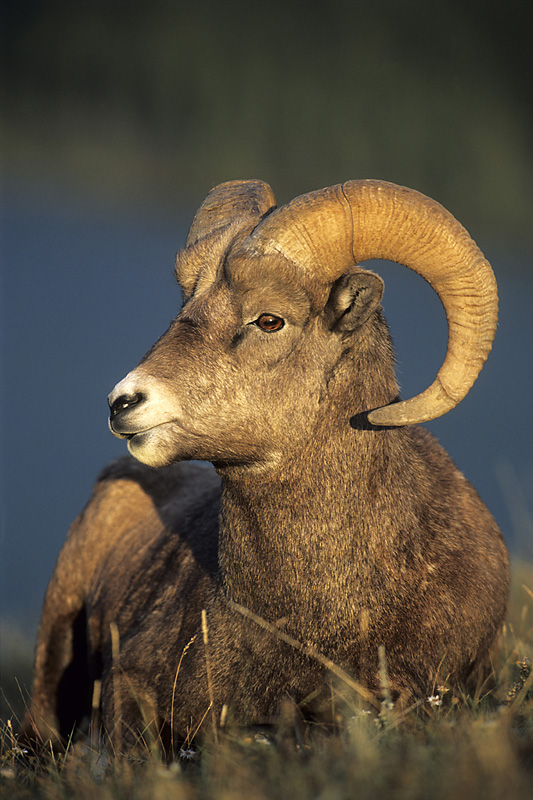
x=129 y=496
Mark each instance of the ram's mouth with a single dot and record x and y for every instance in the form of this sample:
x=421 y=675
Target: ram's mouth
x=119 y=434
x=129 y=435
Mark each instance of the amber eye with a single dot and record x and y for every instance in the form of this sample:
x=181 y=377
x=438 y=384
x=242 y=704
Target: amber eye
x=270 y=323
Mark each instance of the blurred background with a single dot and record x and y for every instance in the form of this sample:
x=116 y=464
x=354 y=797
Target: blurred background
x=117 y=117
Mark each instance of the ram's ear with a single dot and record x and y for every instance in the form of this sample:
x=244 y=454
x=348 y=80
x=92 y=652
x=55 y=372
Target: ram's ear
x=353 y=298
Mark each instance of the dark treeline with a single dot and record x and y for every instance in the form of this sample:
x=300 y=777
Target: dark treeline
x=164 y=99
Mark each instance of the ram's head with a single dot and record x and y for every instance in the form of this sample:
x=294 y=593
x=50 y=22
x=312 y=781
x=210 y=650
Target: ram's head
x=280 y=323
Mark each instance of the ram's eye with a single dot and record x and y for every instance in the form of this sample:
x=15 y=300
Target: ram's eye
x=270 y=323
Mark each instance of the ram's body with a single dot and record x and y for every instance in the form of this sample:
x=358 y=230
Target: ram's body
x=339 y=534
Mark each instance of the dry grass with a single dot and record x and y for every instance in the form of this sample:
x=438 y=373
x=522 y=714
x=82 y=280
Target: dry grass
x=450 y=747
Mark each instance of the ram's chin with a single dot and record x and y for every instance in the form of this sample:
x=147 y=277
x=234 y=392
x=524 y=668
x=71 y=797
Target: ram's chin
x=151 y=449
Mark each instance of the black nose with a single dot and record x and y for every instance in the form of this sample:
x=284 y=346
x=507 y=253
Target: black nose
x=125 y=401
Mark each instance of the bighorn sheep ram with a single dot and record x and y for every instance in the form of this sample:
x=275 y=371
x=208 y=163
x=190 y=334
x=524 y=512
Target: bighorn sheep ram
x=331 y=517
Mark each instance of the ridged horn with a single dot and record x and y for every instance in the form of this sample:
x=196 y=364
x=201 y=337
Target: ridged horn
x=327 y=231
x=229 y=212
x=228 y=202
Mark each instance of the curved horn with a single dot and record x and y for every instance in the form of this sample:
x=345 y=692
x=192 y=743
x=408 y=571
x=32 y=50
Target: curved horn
x=229 y=211
x=328 y=231
x=227 y=203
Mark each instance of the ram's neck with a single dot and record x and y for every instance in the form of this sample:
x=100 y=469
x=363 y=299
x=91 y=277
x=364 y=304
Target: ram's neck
x=297 y=542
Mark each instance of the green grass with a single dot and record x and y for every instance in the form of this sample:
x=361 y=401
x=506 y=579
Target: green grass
x=469 y=746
